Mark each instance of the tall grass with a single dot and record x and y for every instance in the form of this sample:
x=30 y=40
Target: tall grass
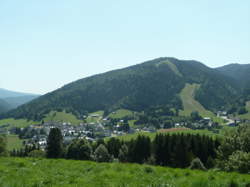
x=16 y=172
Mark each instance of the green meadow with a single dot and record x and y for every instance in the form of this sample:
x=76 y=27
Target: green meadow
x=16 y=122
x=14 y=142
x=30 y=172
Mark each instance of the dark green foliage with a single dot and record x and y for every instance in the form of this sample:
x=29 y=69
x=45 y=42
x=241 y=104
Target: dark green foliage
x=54 y=144
x=101 y=154
x=140 y=149
x=79 y=150
x=153 y=83
x=234 y=152
x=123 y=153
x=113 y=146
x=195 y=116
x=242 y=110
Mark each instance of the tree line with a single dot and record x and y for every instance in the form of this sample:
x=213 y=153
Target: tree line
x=174 y=150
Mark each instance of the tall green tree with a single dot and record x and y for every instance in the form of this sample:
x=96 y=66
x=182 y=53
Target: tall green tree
x=55 y=143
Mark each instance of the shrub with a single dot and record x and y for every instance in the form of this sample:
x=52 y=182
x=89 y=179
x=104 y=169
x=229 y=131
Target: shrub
x=37 y=154
x=197 y=164
x=101 y=154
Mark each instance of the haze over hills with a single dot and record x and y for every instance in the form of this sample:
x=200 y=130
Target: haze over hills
x=153 y=83
x=11 y=99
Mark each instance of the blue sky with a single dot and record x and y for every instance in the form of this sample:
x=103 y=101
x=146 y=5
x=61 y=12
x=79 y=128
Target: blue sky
x=48 y=43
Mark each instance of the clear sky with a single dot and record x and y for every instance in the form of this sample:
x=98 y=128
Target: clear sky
x=45 y=44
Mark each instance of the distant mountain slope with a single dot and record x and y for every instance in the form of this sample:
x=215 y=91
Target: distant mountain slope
x=11 y=100
x=239 y=72
x=155 y=82
x=7 y=93
x=14 y=102
x=4 y=106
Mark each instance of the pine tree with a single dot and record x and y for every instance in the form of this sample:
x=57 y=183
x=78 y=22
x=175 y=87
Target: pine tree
x=55 y=143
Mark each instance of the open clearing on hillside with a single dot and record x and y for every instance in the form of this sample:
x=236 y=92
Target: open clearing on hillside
x=13 y=142
x=121 y=113
x=190 y=104
x=16 y=122
x=172 y=66
x=247 y=115
x=62 y=173
x=54 y=116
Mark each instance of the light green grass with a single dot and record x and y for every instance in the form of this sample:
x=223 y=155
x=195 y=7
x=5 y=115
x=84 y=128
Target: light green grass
x=190 y=104
x=247 y=115
x=62 y=117
x=13 y=142
x=172 y=66
x=121 y=113
x=17 y=122
x=95 y=119
x=17 y=172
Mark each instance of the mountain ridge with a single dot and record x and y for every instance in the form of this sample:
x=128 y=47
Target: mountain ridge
x=138 y=87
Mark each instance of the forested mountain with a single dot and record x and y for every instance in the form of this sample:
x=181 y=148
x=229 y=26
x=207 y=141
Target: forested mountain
x=4 y=106
x=153 y=83
x=239 y=72
x=10 y=99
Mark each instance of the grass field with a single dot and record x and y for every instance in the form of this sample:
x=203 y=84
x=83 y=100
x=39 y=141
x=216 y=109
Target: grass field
x=13 y=142
x=16 y=122
x=121 y=113
x=62 y=117
x=91 y=119
x=190 y=104
x=247 y=115
x=16 y=172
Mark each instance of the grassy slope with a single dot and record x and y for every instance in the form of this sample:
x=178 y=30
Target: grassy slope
x=61 y=173
x=62 y=117
x=95 y=119
x=17 y=123
x=121 y=113
x=247 y=115
x=13 y=142
x=190 y=104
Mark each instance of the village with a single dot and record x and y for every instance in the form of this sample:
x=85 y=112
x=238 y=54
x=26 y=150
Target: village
x=104 y=127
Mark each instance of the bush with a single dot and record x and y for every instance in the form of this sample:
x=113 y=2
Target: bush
x=197 y=164
x=37 y=154
x=101 y=154
x=239 y=161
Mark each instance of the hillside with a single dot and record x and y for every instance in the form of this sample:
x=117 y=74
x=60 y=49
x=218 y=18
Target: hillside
x=239 y=72
x=190 y=104
x=153 y=83
x=11 y=100
x=4 y=106
x=42 y=172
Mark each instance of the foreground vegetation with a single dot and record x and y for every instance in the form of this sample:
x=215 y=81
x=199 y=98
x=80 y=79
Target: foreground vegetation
x=17 y=172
